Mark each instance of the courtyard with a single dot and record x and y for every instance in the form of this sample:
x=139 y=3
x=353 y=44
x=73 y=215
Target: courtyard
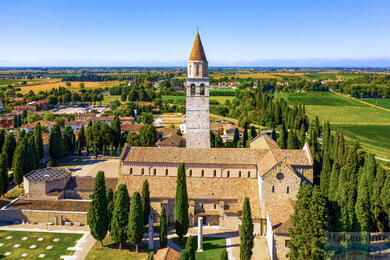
x=89 y=167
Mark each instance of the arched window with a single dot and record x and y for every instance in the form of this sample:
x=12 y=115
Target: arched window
x=239 y=174
x=202 y=89
x=192 y=89
x=215 y=173
x=154 y=172
x=131 y=171
x=166 y=172
x=202 y=173
x=288 y=189
x=142 y=171
x=273 y=188
x=249 y=174
x=228 y=174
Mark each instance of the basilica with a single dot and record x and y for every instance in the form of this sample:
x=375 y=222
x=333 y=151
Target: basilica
x=218 y=179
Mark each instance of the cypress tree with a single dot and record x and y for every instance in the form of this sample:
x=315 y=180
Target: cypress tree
x=104 y=150
x=290 y=140
x=79 y=148
x=112 y=151
x=300 y=242
x=185 y=255
x=190 y=248
x=181 y=203
x=81 y=137
x=319 y=223
x=68 y=139
x=236 y=137
x=362 y=206
x=385 y=195
x=370 y=171
x=2 y=138
x=38 y=141
x=253 y=132
x=302 y=136
x=273 y=135
x=98 y=218
x=116 y=129
x=326 y=139
x=9 y=147
x=145 y=197
x=379 y=216
x=245 y=136
x=4 y=174
x=246 y=232
x=334 y=181
x=335 y=148
x=110 y=206
x=120 y=216
x=56 y=148
x=163 y=229
x=135 y=229
x=341 y=150
x=282 y=140
x=19 y=164
x=325 y=174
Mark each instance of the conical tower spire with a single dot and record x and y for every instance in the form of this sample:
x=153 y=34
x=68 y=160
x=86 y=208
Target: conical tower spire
x=197 y=53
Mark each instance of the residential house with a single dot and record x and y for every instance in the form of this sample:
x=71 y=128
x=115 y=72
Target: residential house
x=6 y=122
x=83 y=116
x=30 y=126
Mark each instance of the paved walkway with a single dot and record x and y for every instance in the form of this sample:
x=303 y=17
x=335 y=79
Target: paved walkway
x=259 y=249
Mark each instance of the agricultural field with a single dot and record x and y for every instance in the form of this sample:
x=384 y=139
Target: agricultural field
x=259 y=75
x=358 y=121
x=75 y=86
x=381 y=102
x=31 y=245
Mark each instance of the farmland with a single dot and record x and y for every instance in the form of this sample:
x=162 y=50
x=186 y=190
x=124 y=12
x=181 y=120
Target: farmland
x=181 y=99
x=358 y=121
x=74 y=86
x=381 y=102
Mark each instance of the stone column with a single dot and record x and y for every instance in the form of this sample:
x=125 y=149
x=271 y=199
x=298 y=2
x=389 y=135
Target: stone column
x=200 y=234
x=61 y=221
x=56 y=220
x=151 y=232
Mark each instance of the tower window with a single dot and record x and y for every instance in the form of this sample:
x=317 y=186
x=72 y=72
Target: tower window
x=288 y=189
x=228 y=173
x=142 y=171
x=202 y=91
x=201 y=206
x=215 y=173
x=190 y=173
x=273 y=188
x=131 y=170
x=166 y=172
x=249 y=174
x=215 y=206
x=192 y=89
x=202 y=173
x=239 y=174
x=154 y=172
x=197 y=71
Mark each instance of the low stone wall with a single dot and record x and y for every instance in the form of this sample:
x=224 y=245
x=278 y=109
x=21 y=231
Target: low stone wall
x=77 y=195
x=42 y=216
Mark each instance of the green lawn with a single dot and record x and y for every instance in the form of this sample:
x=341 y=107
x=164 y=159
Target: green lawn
x=374 y=138
x=212 y=247
x=317 y=98
x=107 y=99
x=381 y=102
x=59 y=248
x=111 y=251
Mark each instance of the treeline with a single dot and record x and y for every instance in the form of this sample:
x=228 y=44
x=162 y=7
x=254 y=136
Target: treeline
x=137 y=78
x=351 y=193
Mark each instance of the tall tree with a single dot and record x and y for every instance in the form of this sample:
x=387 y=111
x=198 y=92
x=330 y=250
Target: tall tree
x=246 y=232
x=4 y=174
x=2 y=138
x=181 y=203
x=236 y=137
x=253 y=132
x=148 y=135
x=245 y=136
x=273 y=135
x=19 y=163
x=145 y=197
x=325 y=174
x=9 y=147
x=98 y=219
x=362 y=206
x=135 y=229
x=56 y=148
x=319 y=223
x=370 y=171
x=190 y=249
x=116 y=129
x=282 y=140
x=38 y=141
x=291 y=140
x=385 y=195
x=110 y=206
x=68 y=139
x=379 y=216
x=120 y=216
x=81 y=137
x=163 y=228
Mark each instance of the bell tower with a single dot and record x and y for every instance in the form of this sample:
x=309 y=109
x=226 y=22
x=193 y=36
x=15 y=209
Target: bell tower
x=197 y=98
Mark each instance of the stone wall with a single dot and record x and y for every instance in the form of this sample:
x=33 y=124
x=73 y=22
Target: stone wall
x=281 y=246
x=42 y=216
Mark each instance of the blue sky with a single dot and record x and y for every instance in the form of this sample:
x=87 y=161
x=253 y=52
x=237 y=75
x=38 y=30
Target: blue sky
x=84 y=32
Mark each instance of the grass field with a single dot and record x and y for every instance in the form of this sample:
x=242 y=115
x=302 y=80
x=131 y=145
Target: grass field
x=260 y=75
x=75 y=86
x=381 y=102
x=58 y=249
x=358 y=121
x=212 y=248
x=111 y=251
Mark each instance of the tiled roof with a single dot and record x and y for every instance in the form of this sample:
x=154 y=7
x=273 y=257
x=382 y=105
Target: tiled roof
x=47 y=174
x=43 y=123
x=240 y=156
x=129 y=127
x=197 y=53
x=166 y=131
x=167 y=254
x=279 y=214
x=173 y=140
